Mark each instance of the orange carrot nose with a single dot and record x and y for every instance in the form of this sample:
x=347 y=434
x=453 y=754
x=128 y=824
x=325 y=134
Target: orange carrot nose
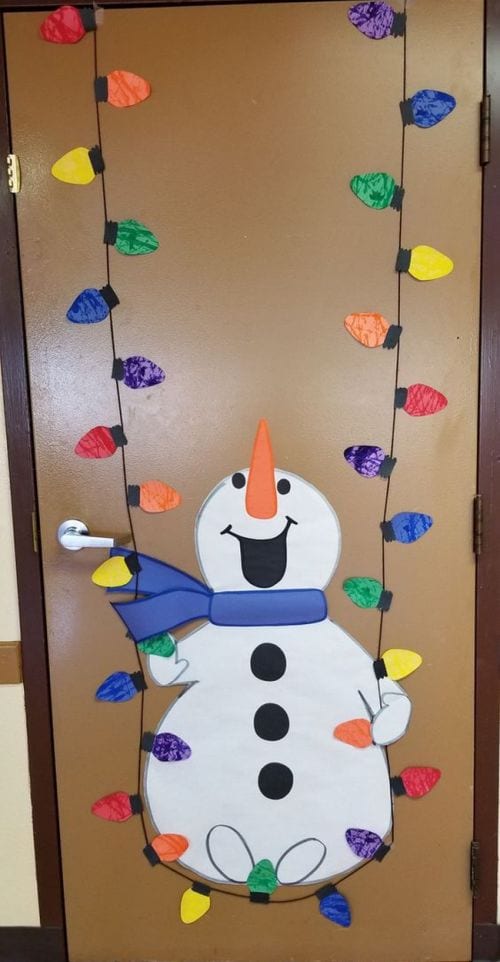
x=261 y=500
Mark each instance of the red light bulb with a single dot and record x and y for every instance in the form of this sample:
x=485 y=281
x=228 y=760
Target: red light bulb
x=67 y=24
x=420 y=400
x=415 y=782
x=100 y=442
x=117 y=807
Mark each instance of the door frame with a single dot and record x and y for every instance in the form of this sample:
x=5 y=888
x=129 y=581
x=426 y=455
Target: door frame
x=48 y=941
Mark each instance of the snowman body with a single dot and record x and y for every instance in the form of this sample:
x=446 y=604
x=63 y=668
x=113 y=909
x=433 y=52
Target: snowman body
x=259 y=719
x=264 y=777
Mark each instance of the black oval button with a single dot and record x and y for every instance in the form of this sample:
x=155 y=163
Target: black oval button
x=268 y=662
x=271 y=722
x=275 y=780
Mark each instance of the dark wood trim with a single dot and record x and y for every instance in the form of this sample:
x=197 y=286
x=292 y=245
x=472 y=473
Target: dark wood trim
x=29 y=575
x=32 y=945
x=486 y=943
x=488 y=566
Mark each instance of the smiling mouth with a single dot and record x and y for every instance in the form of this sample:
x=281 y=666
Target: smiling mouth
x=263 y=560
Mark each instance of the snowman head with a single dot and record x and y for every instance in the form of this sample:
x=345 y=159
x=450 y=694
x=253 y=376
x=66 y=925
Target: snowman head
x=266 y=528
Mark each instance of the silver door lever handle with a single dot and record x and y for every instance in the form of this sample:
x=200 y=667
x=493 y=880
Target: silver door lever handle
x=75 y=535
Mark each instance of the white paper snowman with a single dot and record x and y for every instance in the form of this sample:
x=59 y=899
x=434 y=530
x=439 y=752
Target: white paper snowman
x=265 y=777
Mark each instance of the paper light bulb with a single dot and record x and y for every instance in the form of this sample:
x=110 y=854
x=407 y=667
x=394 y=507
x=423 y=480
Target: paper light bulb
x=153 y=496
x=427 y=108
x=263 y=878
x=406 y=527
x=397 y=663
x=366 y=844
x=424 y=263
x=166 y=848
x=419 y=400
x=101 y=442
x=92 y=305
x=116 y=571
x=370 y=461
x=377 y=20
x=78 y=166
x=356 y=732
x=161 y=645
x=165 y=746
x=117 y=807
x=121 y=686
x=372 y=330
x=415 y=782
x=137 y=371
x=130 y=237
x=368 y=593
x=67 y=24
x=121 y=88
x=377 y=190
x=195 y=903
x=334 y=906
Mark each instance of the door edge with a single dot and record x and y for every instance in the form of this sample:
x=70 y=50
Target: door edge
x=29 y=574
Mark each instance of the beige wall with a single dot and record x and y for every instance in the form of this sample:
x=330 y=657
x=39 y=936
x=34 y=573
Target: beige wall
x=18 y=894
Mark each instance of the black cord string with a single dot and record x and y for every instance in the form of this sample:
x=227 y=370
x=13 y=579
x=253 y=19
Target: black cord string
x=394 y=412
x=169 y=867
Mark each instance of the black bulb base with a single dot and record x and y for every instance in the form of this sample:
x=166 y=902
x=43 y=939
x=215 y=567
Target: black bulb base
x=397 y=198
x=387 y=531
x=118 y=435
x=400 y=396
x=325 y=890
x=382 y=852
x=385 y=600
x=200 y=888
x=398 y=25
x=407 y=115
x=403 y=260
x=101 y=89
x=118 y=369
x=392 y=337
x=379 y=669
x=138 y=681
x=87 y=16
x=109 y=296
x=133 y=495
x=96 y=160
x=147 y=741
x=397 y=786
x=136 y=804
x=110 y=232
x=151 y=855
x=260 y=897
x=387 y=467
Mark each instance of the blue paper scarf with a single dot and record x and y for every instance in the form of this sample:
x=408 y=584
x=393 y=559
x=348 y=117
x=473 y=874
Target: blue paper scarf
x=172 y=598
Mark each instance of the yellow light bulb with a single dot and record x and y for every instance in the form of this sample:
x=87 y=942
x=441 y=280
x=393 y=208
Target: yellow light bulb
x=424 y=263
x=113 y=573
x=78 y=166
x=195 y=903
x=397 y=663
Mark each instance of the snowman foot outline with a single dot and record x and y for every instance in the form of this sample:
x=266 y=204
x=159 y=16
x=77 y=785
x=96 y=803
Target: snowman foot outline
x=232 y=858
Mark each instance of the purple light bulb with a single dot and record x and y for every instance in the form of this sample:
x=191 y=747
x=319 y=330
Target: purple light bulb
x=137 y=371
x=369 y=460
x=377 y=20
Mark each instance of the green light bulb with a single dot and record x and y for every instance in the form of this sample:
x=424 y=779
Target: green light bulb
x=377 y=190
x=263 y=878
x=162 y=645
x=368 y=593
x=130 y=237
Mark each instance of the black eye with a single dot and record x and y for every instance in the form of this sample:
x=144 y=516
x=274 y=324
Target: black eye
x=283 y=486
x=238 y=480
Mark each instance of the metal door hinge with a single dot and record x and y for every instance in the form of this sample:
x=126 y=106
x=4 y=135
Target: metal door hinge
x=34 y=530
x=485 y=131
x=13 y=173
x=474 y=868
x=477 y=525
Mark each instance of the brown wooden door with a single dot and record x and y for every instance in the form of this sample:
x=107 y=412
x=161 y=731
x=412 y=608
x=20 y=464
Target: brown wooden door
x=240 y=163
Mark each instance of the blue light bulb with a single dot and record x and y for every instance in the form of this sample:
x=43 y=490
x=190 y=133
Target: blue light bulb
x=92 y=305
x=334 y=906
x=427 y=108
x=121 y=686
x=406 y=527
